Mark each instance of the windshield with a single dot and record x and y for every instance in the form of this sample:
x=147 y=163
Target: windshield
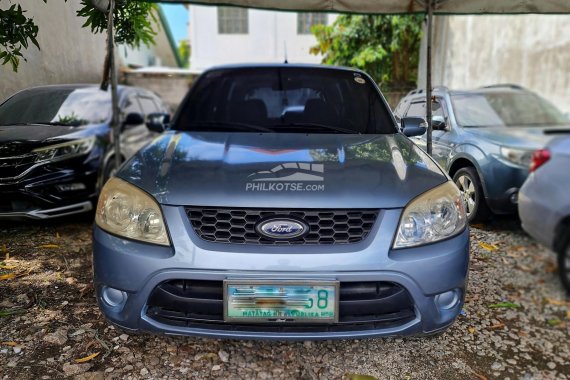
x=509 y=109
x=57 y=106
x=285 y=100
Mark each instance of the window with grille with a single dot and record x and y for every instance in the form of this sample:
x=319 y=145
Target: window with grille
x=305 y=21
x=232 y=20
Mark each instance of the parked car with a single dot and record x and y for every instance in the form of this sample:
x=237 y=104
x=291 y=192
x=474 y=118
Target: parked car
x=55 y=146
x=484 y=139
x=544 y=201
x=283 y=203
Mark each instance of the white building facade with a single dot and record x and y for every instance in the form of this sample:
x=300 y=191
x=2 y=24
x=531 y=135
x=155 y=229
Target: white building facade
x=528 y=50
x=225 y=35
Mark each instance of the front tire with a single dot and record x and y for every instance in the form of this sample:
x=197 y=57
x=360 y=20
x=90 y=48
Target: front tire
x=468 y=182
x=110 y=170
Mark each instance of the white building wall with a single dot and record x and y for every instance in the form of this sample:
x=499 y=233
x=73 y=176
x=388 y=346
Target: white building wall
x=269 y=32
x=530 y=50
x=69 y=53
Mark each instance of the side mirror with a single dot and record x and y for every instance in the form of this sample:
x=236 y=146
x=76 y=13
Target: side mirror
x=438 y=123
x=413 y=126
x=157 y=122
x=134 y=118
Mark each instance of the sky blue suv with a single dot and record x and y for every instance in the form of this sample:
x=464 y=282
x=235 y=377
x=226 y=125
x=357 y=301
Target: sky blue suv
x=484 y=139
x=282 y=202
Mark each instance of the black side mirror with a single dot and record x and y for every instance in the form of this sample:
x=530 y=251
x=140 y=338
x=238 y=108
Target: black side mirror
x=438 y=123
x=157 y=122
x=134 y=118
x=414 y=126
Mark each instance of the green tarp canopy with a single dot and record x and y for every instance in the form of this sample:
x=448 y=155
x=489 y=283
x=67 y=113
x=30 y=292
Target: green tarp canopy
x=401 y=6
x=441 y=7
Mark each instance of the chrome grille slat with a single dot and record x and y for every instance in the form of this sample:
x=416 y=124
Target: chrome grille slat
x=237 y=226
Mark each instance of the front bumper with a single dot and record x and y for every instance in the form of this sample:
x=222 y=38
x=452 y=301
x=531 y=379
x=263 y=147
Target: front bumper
x=502 y=182
x=49 y=192
x=137 y=269
x=41 y=214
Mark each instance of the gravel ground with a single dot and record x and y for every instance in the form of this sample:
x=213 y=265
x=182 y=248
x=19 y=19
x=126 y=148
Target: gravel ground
x=515 y=324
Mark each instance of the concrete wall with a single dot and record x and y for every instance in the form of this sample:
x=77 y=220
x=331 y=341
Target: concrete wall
x=265 y=42
x=171 y=88
x=68 y=52
x=530 y=50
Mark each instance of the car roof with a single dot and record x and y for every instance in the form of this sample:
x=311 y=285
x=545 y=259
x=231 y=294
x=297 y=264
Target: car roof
x=284 y=66
x=73 y=86
x=494 y=89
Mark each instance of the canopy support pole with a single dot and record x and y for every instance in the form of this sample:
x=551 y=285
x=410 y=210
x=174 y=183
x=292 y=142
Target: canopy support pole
x=114 y=96
x=428 y=76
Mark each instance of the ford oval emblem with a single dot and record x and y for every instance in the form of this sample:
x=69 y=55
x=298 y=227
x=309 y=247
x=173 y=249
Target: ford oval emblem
x=281 y=228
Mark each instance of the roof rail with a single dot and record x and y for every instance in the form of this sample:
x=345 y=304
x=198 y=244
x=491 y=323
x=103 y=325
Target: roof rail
x=421 y=90
x=416 y=91
x=506 y=85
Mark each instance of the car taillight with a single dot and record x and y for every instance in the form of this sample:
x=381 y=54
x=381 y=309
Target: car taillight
x=539 y=158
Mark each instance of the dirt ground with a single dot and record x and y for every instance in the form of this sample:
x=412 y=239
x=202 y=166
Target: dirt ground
x=515 y=323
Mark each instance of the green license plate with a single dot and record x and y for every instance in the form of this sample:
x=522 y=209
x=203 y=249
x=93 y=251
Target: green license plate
x=280 y=301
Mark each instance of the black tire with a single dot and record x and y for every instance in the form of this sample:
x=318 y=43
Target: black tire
x=471 y=189
x=109 y=170
x=564 y=263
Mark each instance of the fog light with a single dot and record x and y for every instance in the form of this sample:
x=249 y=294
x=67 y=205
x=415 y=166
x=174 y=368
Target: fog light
x=515 y=198
x=113 y=297
x=447 y=300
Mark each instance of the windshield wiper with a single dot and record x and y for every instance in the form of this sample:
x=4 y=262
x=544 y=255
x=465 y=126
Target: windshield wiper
x=54 y=123
x=319 y=126
x=231 y=124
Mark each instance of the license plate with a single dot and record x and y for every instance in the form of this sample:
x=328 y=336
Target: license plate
x=254 y=301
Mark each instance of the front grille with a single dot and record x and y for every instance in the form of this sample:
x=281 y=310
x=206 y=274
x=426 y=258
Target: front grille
x=362 y=306
x=14 y=166
x=237 y=226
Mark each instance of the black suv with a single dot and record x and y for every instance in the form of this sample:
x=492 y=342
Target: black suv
x=56 y=150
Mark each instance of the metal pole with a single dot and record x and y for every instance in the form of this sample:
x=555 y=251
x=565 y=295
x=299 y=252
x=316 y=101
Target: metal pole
x=114 y=97
x=428 y=75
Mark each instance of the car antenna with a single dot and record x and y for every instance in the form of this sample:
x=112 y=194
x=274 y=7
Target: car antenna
x=285 y=50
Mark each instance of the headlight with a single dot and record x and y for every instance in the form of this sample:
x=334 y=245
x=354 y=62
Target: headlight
x=64 y=150
x=520 y=157
x=434 y=215
x=127 y=211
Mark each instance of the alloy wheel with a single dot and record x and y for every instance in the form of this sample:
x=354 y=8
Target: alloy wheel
x=467 y=188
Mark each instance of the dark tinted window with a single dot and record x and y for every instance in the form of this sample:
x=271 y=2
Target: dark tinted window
x=148 y=105
x=510 y=109
x=131 y=105
x=417 y=110
x=285 y=100
x=65 y=106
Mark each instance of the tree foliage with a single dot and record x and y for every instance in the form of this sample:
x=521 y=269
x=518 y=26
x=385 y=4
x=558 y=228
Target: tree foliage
x=184 y=50
x=385 y=46
x=134 y=22
x=16 y=33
